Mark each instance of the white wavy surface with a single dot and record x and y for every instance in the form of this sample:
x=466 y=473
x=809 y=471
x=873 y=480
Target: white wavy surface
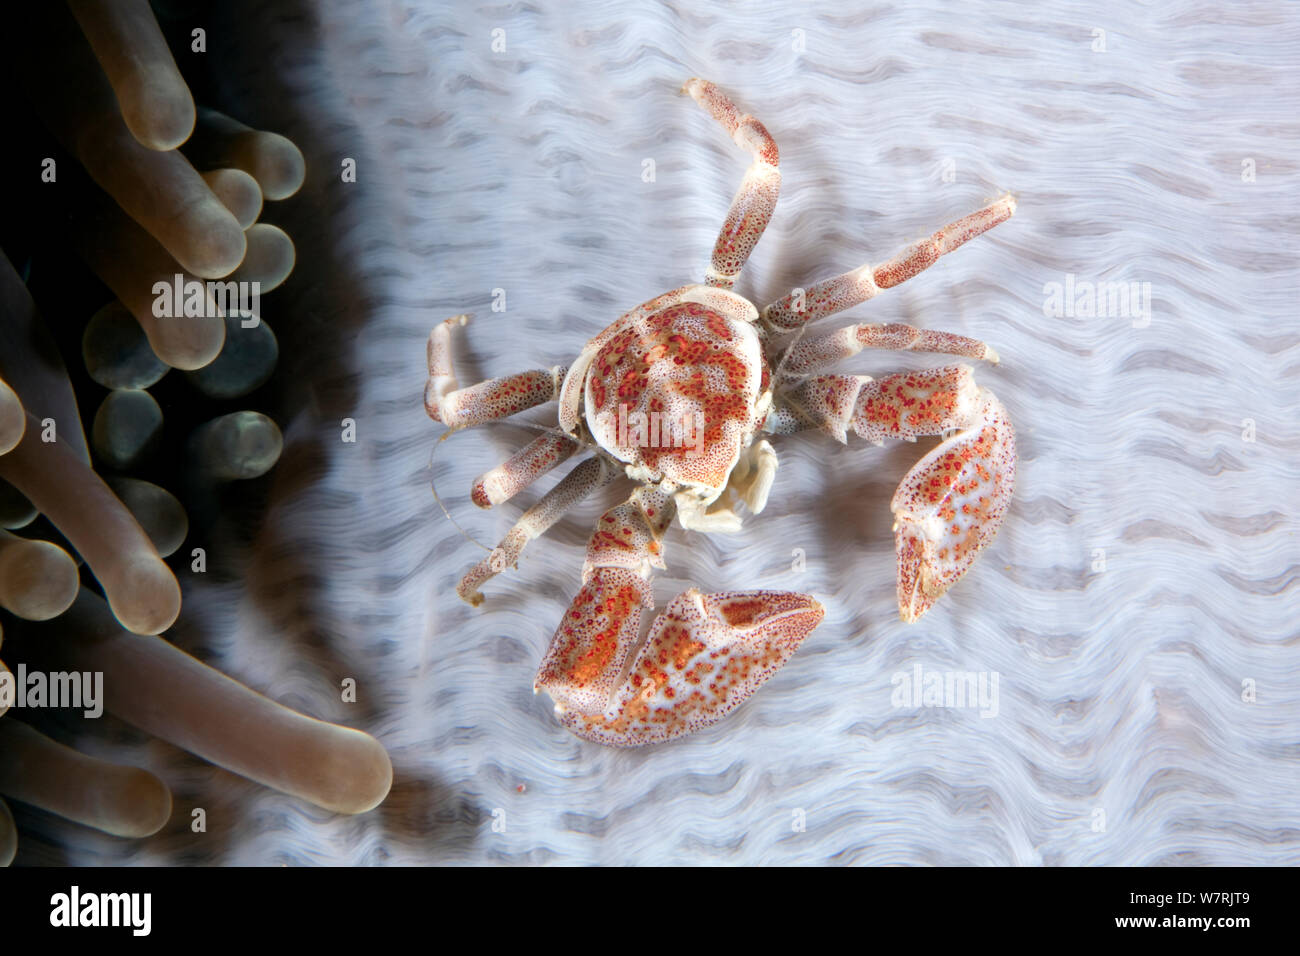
x=1120 y=689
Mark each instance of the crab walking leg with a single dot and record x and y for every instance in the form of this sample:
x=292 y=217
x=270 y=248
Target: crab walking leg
x=754 y=202
x=496 y=398
x=847 y=290
x=811 y=355
x=585 y=478
x=124 y=801
x=523 y=468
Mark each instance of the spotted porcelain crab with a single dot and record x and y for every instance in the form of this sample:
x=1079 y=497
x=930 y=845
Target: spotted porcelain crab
x=680 y=395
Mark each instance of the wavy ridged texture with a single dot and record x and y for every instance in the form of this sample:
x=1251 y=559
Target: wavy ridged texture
x=1120 y=690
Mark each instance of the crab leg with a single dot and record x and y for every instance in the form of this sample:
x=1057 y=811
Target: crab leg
x=847 y=290
x=907 y=406
x=522 y=468
x=811 y=355
x=704 y=655
x=496 y=398
x=585 y=478
x=951 y=503
x=754 y=202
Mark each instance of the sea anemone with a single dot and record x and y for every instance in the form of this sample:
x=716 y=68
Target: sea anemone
x=145 y=217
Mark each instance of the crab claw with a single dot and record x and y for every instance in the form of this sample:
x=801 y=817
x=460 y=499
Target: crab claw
x=704 y=655
x=588 y=654
x=950 y=505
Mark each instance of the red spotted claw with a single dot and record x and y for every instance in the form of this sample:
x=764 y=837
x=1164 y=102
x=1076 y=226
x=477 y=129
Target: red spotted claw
x=680 y=395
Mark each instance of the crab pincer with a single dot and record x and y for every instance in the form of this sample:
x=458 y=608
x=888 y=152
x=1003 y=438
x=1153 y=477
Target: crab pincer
x=704 y=655
x=951 y=504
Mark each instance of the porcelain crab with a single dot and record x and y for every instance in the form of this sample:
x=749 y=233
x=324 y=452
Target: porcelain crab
x=680 y=395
